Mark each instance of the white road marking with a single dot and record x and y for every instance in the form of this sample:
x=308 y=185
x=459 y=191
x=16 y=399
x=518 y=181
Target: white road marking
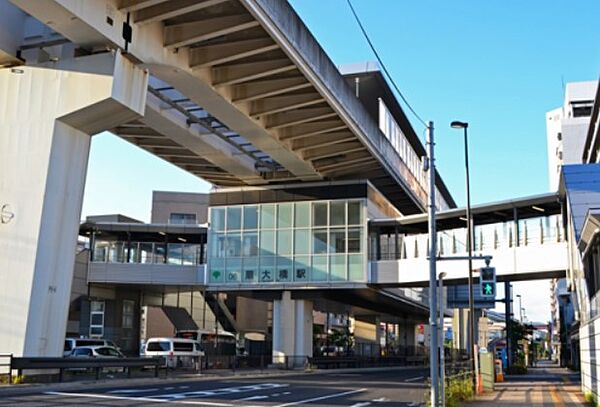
x=183 y=387
x=131 y=391
x=380 y=400
x=253 y=398
x=106 y=396
x=168 y=388
x=414 y=379
x=330 y=396
x=218 y=392
x=366 y=403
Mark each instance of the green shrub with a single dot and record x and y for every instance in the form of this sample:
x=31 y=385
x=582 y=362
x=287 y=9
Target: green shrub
x=458 y=388
x=15 y=379
x=590 y=397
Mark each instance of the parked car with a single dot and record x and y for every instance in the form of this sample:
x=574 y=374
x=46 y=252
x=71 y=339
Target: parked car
x=96 y=352
x=175 y=352
x=72 y=343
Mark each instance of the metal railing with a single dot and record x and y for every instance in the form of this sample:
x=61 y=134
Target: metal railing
x=61 y=364
x=503 y=235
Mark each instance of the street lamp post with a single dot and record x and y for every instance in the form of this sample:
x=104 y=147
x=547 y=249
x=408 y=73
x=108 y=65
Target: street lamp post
x=464 y=126
x=520 y=309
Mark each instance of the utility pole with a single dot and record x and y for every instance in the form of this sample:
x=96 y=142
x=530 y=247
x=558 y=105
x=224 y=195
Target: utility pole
x=433 y=314
x=508 y=320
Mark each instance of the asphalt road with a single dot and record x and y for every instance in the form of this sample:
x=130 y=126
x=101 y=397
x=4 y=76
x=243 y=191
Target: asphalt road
x=356 y=389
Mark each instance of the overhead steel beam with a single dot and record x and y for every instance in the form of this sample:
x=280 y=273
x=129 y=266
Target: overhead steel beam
x=239 y=73
x=215 y=54
x=310 y=129
x=277 y=104
x=332 y=150
x=267 y=88
x=287 y=119
x=133 y=5
x=171 y=9
x=180 y=35
x=322 y=141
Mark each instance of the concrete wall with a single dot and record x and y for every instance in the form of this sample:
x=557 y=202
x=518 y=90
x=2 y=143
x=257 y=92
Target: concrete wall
x=165 y=203
x=589 y=341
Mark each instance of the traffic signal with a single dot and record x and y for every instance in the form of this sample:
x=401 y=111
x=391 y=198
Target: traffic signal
x=487 y=282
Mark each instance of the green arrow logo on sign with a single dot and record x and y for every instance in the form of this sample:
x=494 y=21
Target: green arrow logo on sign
x=487 y=289
x=216 y=274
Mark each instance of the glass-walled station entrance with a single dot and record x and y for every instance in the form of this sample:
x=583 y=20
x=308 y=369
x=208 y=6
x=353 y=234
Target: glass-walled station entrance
x=288 y=242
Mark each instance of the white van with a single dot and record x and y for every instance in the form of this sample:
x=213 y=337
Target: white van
x=72 y=343
x=176 y=352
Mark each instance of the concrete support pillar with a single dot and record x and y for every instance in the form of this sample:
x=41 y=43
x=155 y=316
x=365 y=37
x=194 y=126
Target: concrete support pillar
x=292 y=330
x=46 y=119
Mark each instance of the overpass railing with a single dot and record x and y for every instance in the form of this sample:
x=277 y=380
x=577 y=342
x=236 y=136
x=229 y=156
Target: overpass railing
x=527 y=232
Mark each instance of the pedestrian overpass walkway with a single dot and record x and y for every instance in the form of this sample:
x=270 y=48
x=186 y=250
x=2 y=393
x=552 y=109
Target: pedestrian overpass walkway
x=524 y=237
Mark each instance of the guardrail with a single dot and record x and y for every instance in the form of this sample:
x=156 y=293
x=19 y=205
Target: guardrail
x=60 y=364
x=6 y=356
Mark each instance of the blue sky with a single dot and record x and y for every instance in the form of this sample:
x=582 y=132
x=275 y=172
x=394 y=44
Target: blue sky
x=499 y=65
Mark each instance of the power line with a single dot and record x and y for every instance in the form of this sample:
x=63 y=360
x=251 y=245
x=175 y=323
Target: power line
x=362 y=28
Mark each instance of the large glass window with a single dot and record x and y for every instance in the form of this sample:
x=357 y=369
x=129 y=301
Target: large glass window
x=302 y=268
x=234 y=245
x=302 y=214
x=284 y=269
x=354 y=240
x=250 y=244
x=174 y=253
x=128 y=313
x=319 y=214
x=337 y=265
x=146 y=250
x=319 y=268
x=267 y=216
x=190 y=254
x=284 y=215
x=182 y=218
x=301 y=241
x=234 y=218
x=250 y=217
x=267 y=243
x=96 y=319
x=286 y=242
x=337 y=240
x=354 y=213
x=337 y=213
x=319 y=241
x=217 y=219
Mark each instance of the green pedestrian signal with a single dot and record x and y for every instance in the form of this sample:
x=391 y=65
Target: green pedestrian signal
x=487 y=282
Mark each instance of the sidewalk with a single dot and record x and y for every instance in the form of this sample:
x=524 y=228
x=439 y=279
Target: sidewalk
x=545 y=385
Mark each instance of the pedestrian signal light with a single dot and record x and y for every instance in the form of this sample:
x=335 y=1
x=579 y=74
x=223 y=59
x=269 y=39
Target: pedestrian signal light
x=487 y=282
